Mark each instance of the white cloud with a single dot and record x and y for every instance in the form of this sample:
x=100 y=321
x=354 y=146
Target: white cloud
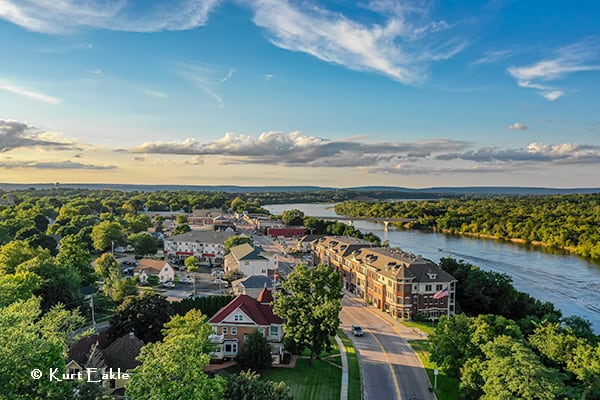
x=229 y=75
x=563 y=153
x=517 y=126
x=154 y=93
x=63 y=16
x=268 y=77
x=552 y=94
x=397 y=48
x=579 y=57
x=30 y=94
x=53 y=165
x=297 y=149
x=206 y=77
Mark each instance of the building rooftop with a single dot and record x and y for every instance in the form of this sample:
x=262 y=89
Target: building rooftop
x=261 y=314
x=201 y=237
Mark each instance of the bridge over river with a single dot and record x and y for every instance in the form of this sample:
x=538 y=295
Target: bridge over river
x=385 y=221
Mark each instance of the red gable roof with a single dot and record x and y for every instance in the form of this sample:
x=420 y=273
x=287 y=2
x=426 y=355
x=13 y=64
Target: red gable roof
x=265 y=296
x=261 y=314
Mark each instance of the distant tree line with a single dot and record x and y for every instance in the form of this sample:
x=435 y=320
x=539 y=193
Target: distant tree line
x=570 y=222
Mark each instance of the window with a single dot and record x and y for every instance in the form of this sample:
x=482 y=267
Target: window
x=231 y=348
x=274 y=331
x=428 y=288
x=234 y=330
x=225 y=330
x=261 y=331
x=238 y=317
x=438 y=287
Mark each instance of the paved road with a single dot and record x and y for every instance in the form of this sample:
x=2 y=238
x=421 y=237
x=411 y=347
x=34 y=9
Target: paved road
x=389 y=367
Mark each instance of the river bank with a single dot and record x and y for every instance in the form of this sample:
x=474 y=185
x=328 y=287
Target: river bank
x=570 y=282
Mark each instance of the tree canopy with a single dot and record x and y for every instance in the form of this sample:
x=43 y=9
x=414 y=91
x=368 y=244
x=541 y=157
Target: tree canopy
x=144 y=315
x=173 y=369
x=310 y=306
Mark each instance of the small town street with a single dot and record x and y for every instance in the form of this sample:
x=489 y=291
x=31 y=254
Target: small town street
x=390 y=368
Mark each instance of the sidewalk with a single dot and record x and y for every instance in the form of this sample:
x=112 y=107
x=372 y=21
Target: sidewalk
x=344 y=390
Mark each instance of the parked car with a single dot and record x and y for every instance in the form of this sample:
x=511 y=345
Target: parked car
x=186 y=280
x=169 y=284
x=357 y=330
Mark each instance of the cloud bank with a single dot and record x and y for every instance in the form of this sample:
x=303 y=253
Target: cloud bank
x=15 y=135
x=64 y=16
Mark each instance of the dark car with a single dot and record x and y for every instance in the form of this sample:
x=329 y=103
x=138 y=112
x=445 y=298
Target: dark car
x=357 y=330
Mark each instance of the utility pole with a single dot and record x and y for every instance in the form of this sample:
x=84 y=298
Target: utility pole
x=93 y=315
x=112 y=247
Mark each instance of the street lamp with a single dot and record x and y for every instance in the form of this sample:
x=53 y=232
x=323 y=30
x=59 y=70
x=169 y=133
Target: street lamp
x=112 y=247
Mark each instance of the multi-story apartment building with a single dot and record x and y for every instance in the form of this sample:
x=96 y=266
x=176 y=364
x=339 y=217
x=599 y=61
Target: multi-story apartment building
x=206 y=246
x=397 y=282
x=334 y=251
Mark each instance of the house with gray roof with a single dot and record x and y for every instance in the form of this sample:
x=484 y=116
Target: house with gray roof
x=251 y=260
x=252 y=285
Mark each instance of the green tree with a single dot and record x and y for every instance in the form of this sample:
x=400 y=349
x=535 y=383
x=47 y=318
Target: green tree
x=192 y=264
x=293 y=217
x=311 y=307
x=181 y=229
x=181 y=219
x=106 y=234
x=451 y=344
x=153 y=280
x=106 y=264
x=256 y=354
x=238 y=204
x=13 y=254
x=29 y=340
x=235 y=240
x=18 y=286
x=512 y=371
x=60 y=284
x=248 y=386
x=143 y=315
x=75 y=254
x=232 y=275
x=173 y=369
x=144 y=243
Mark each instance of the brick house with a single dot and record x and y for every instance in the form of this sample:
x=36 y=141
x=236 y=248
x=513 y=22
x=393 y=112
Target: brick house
x=233 y=323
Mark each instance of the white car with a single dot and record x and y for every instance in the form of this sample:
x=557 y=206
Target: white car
x=186 y=280
x=169 y=284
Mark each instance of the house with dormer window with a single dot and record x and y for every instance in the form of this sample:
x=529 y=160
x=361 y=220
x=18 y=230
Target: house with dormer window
x=233 y=323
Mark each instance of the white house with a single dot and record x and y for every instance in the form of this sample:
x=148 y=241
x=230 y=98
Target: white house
x=206 y=246
x=162 y=269
x=251 y=260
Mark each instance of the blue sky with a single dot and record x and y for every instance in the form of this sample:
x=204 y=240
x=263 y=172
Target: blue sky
x=337 y=93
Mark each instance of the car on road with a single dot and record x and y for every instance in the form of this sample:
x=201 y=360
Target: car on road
x=169 y=284
x=186 y=280
x=357 y=330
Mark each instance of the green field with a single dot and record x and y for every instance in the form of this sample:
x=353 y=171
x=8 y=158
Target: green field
x=354 y=387
x=320 y=381
x=427 y=327
x=447 y=388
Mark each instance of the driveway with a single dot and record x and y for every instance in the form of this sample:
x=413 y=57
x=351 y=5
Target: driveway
x=390 y=368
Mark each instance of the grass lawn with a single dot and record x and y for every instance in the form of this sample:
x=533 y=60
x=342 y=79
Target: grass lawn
x=447 y=388
x=320 y=381
x=354 y=388
x=427 y=327
x=334 y=350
